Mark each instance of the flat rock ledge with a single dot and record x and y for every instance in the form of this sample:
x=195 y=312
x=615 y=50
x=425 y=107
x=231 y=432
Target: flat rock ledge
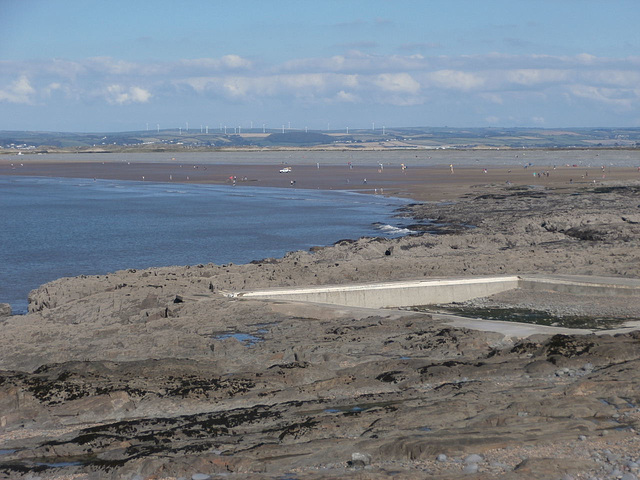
x=157 y=374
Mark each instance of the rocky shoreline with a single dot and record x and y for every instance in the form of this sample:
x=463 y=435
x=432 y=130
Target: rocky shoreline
x=158 y=374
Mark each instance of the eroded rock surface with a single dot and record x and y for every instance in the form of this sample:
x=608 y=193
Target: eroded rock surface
x=157 y=373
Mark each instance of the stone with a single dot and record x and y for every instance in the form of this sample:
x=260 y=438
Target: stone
x=441 y=457
x=365 y=458
x=628 y=476
x=470 y=468
x=612 y=457
x=200 y=476
x=473 y=458
x=5 y=310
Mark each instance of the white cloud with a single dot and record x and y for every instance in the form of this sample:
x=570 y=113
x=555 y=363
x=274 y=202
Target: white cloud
x=533 y=76
x=20 y=91
x=586 y=58
x=112 y=67
x=357 y=62
x=227 y=62
x=397 y=82
x=454 y=79
x=611 y=96
x=346 y=97
x=620 y=78
x=52 y=87
x=514 y=83
x=119 y=95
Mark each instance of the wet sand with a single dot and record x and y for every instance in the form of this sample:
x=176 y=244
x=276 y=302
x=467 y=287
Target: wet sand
x=422 y=183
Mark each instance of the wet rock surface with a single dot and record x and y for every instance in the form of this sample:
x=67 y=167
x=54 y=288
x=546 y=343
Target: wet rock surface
x=157 y=373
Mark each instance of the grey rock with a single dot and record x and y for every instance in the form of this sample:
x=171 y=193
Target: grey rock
x=365 y=458
x=5 y=310
x=470 y=468
x=473 y=458
x=441 y=457
x=629 y=476
x=613 y=458
x=200 y=476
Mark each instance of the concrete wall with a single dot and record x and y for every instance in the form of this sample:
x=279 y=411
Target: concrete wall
x=439 y=291
x=582 y=285
x=395 y=294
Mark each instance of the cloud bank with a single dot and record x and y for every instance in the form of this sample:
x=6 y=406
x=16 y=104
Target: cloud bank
x=491 y=86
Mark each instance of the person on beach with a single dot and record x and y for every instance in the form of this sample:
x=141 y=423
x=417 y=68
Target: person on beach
x=451 y=168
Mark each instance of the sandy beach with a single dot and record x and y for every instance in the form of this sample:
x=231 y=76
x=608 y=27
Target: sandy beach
x=422 y=183
x=162 y=373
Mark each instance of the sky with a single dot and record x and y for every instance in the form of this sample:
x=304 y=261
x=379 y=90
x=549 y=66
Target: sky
x=122 y=65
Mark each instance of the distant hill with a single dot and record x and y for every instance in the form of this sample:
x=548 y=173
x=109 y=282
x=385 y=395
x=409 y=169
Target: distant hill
x=387 y=138
x=299 y=138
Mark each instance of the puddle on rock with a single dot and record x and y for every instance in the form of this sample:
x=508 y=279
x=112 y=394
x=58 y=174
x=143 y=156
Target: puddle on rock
x=246 y=339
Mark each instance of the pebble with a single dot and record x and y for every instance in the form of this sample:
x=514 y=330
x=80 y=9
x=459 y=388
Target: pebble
x=629 y=476
x=365 y=458
x=200 y=476
x=612 y=457
x=473 y=458
x=441 y=457
x=470 y=468
x=582 y=438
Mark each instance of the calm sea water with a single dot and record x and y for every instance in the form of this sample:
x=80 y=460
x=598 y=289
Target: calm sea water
x=52 y=228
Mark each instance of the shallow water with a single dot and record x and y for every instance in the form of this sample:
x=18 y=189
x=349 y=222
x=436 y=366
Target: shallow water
x=52 y=227
x=527 y=315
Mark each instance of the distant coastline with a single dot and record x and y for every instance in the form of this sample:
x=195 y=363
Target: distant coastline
x=262 y=139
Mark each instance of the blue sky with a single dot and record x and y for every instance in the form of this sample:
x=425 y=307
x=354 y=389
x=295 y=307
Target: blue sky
x=95 y=65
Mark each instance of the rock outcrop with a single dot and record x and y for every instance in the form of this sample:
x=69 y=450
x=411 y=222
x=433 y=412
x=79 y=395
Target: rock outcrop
x=157 y=373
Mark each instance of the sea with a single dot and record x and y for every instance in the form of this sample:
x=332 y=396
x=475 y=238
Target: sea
x=59 y=227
